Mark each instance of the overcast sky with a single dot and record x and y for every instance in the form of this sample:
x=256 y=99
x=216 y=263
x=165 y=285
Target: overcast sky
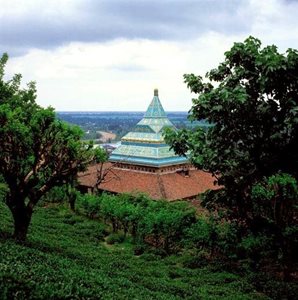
x=98 y=55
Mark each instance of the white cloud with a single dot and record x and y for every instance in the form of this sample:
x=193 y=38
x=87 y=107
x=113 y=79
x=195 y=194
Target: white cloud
x=275 y=22
x=121 y=74
x=118 y=75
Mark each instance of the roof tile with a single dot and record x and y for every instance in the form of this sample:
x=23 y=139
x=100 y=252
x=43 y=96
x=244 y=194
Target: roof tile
x=171 y=186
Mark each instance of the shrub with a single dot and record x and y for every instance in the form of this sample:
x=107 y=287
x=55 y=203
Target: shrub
x=72 y=219
x=193 y=261
x=115 y=238
x=164 y=224
x=55 y=195
x=90 y=204
x=139 y=249
x=101 y=232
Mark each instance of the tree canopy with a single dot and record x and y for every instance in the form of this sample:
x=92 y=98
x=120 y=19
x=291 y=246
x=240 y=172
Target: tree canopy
x=251 y=99
x=37 y=151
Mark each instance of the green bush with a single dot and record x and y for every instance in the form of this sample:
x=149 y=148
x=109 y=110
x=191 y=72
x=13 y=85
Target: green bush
x=139 y=249
x=101 y=232
x=164 y=223
x=55 y=195
x=72 y=219
x=158 y=223
x=115 y=238
x=274 y=288
x=195 y=260
x=275 y=203
x=90 y=204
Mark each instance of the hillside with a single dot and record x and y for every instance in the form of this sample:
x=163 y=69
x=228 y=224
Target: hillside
x=66 y=257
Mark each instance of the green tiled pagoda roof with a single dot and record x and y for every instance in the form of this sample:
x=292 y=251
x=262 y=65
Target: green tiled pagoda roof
x=145 y=144
x=156 y=124
x=143 y=137
x=155 y=109
x=144 y=151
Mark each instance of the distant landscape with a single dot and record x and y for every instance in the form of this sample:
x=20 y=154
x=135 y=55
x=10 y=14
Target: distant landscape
x=96 y=124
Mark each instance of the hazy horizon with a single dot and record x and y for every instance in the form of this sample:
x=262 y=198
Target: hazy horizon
x=115 y=111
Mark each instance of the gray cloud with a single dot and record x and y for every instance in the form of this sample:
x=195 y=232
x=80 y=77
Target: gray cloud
x=98 y=21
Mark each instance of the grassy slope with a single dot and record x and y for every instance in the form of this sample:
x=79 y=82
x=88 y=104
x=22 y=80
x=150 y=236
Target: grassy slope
x=65 y=259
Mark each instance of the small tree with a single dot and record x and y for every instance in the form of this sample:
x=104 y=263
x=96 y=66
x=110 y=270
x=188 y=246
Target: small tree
x=100 y=158
x=37 y=151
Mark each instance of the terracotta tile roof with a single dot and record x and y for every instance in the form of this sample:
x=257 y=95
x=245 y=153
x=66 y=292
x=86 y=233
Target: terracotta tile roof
x=88 y=178
x=169 y=186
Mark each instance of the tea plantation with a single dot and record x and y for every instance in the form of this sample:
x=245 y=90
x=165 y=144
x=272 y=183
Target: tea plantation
x=66 y=257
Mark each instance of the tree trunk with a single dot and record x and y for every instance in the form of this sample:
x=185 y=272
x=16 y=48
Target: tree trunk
x=114 y=225
x=72 y=204
x=71 y=195
x=134 y=229
x=167 y=244
x=22 y=217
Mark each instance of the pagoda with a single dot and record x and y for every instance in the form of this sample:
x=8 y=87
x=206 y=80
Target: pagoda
x=145 y=145
x=145 y=163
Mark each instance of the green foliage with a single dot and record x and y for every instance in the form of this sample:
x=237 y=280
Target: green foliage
x=37 y=151
x=252 y=148
x=275 y=201
x=100 y=155
x=199 y=260
x=254 y=247
x=213 y=237
x=115 y=238
x=254 y=115
x=69 y=261
x=164 y=224
x=202 y=234
x=3 y=190
x=57 y=194
x=90 y=204
x=276 y=198
x=158 y=223
x=275 y=288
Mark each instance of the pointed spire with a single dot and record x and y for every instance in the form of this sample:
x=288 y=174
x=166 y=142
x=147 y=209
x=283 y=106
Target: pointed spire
x=155 y=109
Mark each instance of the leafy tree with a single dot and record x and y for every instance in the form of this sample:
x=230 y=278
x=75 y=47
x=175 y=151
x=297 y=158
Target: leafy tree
x=203 y=234
x=109 y=206
x=91 y=204
x=37 y=151
x=251 y=99
x=164 y=223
